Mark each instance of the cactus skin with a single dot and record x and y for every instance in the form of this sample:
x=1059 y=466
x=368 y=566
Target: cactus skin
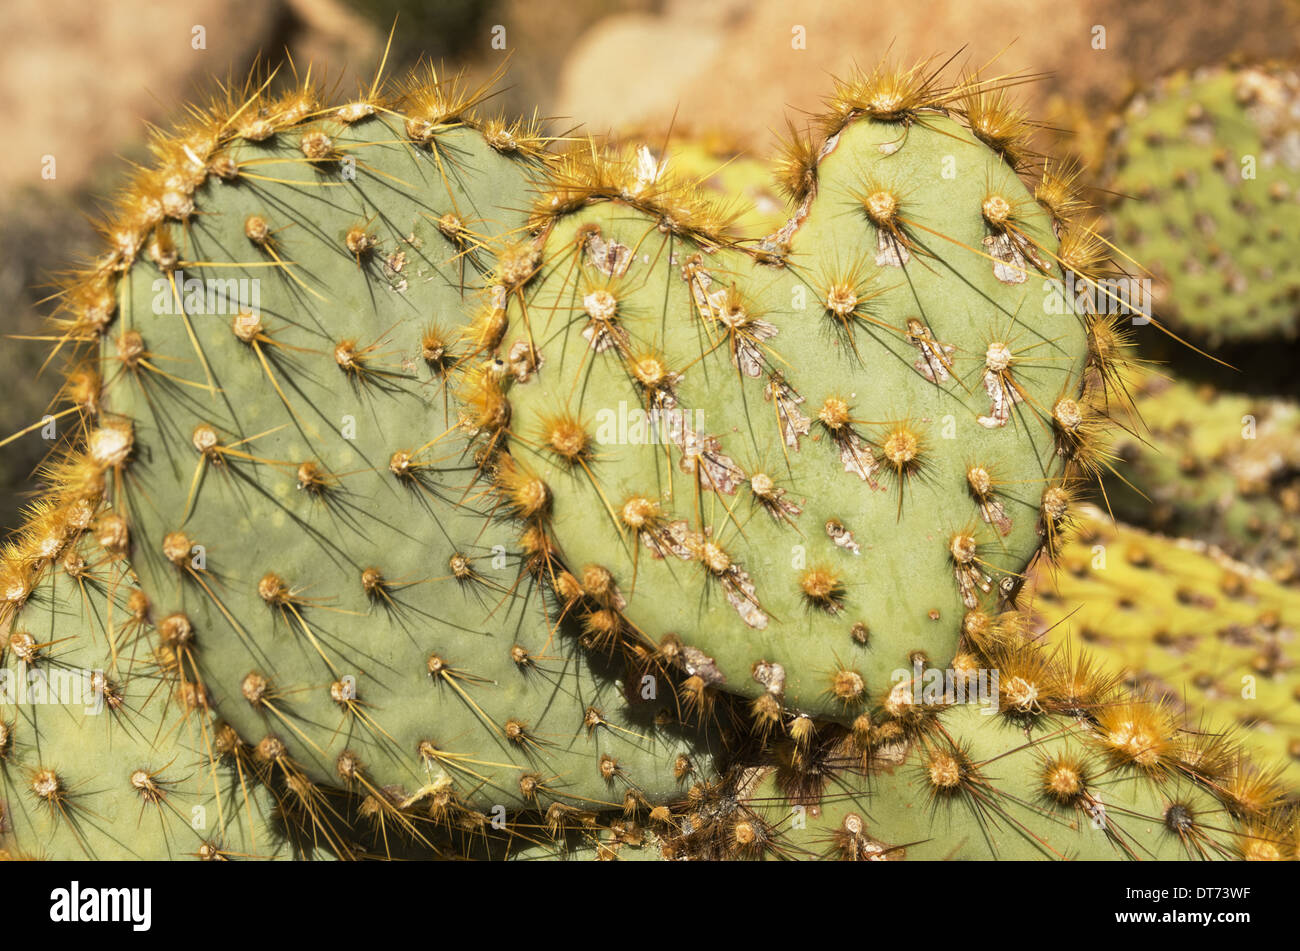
x=850 y=571
x=1219 y=241
x=109 y=768
x=1178 y=618
x=1216 y=466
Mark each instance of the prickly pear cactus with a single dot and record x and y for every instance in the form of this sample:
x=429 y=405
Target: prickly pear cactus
x=483 y=501
x=1181 y=620
x=792 y=468
x=1209 y=167
x=1218 y=466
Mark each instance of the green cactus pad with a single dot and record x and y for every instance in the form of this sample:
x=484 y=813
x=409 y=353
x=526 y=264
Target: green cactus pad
x=1209 y=165
x=1217 y=466
x=773 y=460
x=302 y=510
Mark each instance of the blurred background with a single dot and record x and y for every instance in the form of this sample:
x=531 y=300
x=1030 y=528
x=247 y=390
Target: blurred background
x=80 y=82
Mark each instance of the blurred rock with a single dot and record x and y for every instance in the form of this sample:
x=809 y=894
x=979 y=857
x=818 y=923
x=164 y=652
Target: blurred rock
x=43 y=234
x=76 y=78
x=731 y=65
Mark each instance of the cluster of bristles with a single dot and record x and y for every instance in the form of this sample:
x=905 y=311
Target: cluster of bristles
x=587 y=172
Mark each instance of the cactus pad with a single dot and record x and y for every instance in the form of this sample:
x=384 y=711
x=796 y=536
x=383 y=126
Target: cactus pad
x=792 y=468
x=285 y=457
x=1211 y=165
